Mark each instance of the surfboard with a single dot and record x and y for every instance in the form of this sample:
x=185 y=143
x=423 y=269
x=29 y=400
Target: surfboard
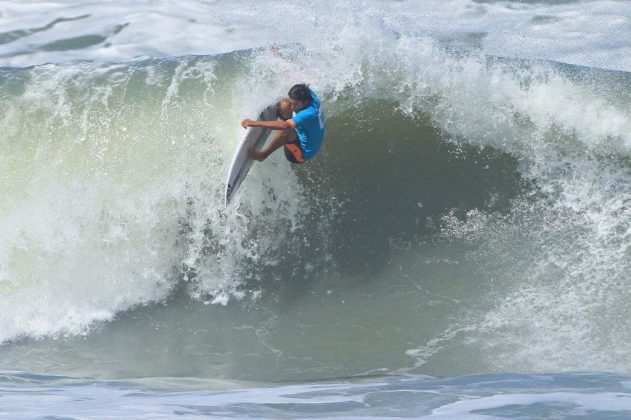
x=254 y=138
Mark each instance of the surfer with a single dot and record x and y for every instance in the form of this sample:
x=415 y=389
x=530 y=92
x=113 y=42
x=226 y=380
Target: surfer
x=300 y=129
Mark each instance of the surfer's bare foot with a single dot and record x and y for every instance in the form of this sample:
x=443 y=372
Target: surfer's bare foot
x=256 y=155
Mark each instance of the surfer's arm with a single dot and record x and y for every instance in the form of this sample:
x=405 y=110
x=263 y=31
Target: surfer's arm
x=274 y=125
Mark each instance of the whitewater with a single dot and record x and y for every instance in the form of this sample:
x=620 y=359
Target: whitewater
x=459 y=248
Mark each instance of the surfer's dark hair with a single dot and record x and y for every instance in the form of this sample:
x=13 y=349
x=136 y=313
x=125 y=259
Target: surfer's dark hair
x=300 y=92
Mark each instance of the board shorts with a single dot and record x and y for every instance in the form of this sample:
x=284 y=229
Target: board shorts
x=293 y=152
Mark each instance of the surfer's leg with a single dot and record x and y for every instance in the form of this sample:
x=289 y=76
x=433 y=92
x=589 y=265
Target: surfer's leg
x=282 y=138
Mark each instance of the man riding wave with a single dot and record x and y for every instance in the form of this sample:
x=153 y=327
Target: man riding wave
x=301 y=127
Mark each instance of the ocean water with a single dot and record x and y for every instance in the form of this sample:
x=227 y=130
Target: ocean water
x=459 y=248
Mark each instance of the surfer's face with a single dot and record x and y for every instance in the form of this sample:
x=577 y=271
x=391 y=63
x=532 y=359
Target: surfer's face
x=297 y=105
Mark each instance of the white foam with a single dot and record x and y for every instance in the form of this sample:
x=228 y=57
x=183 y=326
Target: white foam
x=591 y=33
x=105 y=199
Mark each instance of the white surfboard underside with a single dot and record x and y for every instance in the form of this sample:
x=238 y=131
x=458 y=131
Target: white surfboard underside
x=241 y=163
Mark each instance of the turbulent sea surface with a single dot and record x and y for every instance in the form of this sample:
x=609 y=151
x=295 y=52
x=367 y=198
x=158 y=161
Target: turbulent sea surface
x=460 y=248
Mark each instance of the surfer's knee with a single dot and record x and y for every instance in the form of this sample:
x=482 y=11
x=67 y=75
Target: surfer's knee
x=284 y=110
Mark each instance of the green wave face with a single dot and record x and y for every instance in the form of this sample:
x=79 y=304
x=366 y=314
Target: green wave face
x=467 y=213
